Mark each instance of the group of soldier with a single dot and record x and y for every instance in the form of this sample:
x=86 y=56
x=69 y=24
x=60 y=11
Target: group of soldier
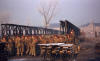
x=26 y=45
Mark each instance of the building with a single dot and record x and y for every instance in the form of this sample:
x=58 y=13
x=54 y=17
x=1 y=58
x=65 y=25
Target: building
x=91 y=29
x=55 y=26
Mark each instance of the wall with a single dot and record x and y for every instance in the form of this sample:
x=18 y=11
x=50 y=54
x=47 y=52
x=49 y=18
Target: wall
x=91 y=30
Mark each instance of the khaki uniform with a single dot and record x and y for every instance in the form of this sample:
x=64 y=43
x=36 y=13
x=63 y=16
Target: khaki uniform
x=18 y=45
x=21 y=46
x=56 y=40
x=10 y=46
x=40 y=39
x=27 y=44
x=32 y=48
x=43 y=41
x=13 y=46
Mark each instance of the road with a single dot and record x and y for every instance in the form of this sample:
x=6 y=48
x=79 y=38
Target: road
x=25 y=58
x=29 y=58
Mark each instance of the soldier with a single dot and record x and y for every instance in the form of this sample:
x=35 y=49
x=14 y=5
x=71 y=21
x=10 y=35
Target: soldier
x=17 y=44
x=13 y=47
x=55 y=39
x=27 y=44
x=40 y=39
x=33 y=45
x=22 y=45
x=26 y=39
x=72 y=35
x=30 y=45
x=43 y=40
x=10 y=46
x=50 y=39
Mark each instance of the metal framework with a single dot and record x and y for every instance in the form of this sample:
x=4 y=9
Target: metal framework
x=19 y=30
x=66 y=27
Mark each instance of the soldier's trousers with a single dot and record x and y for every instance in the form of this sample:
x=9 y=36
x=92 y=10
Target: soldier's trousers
x=32 y=51
x=27 y=50
x=20 y=51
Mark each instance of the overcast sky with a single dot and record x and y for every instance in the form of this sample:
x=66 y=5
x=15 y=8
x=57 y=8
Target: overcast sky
x=76 y=11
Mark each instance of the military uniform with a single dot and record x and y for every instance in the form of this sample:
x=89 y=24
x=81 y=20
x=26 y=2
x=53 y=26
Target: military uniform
x=27 y=44
x=43 y=41
x=55 y=40
x=22 y=46
x=13 y=47
x=10 y=46
x=18 y=45
x=32 y=48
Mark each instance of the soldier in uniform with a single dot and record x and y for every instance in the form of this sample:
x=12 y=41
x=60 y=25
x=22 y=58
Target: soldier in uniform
x=33 y=45
x=13 y=47
x=43 y=40
x=10 y=46
x=60 y=39
x=55 y=39
x=27 y=45
x=50 y=39
x=22 y=45
x=40 y=39
x=72 y=36
x=17 y=44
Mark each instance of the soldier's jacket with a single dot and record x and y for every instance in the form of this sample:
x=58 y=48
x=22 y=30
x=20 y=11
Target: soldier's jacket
x=22 y=42
x=17 y=42
x=10 y=44
x=26 y=39
x=43 y=40
x=56 y=40
x=33 y=43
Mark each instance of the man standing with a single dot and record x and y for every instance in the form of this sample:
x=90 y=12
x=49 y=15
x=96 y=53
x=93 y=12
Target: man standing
x=27 y=44
x=22 y=45
x=17 y=45
x=10 y=46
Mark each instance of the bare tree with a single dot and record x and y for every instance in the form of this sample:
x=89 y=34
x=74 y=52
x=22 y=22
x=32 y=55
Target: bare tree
x=47 y=12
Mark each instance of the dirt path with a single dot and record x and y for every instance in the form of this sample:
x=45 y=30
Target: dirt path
x=87 y=51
